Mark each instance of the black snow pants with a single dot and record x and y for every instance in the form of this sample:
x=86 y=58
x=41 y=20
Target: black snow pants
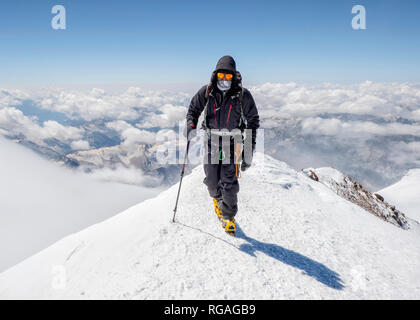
x=221 y=179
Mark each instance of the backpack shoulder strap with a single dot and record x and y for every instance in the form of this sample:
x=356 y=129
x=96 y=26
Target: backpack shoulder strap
x=240 y=96
x=242 y=120
x=208 y=91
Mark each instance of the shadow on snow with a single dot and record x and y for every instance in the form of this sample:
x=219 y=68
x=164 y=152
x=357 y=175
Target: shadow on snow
x=310 y=267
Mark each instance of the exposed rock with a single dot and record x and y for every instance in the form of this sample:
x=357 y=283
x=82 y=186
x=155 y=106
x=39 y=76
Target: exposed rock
x=313 y=175
x=353 y=191
x=378 y=196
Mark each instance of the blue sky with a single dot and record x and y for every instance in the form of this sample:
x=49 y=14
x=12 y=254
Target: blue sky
x=180 y=41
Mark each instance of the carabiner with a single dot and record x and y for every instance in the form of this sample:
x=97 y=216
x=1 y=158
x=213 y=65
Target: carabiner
x=221 y=154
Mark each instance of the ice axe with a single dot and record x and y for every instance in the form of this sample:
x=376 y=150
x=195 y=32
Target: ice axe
x=180 y=181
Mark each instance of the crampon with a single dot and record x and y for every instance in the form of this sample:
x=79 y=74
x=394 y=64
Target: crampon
x=228 y=225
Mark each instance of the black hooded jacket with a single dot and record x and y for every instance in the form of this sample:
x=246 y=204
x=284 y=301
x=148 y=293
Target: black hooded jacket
x=224 y=110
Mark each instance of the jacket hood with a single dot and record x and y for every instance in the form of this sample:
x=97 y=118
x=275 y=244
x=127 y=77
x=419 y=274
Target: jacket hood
x=226 y=63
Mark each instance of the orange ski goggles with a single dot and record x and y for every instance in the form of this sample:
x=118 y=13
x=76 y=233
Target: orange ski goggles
x=221 y=75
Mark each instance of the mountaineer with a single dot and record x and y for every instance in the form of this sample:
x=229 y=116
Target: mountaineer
x=231 y=121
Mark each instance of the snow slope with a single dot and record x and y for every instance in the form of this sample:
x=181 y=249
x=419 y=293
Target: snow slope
x=405 y=194
x=296 y=239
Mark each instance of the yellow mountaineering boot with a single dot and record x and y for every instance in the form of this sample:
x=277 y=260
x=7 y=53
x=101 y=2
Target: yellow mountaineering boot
x=217 y=208
x=228 y=225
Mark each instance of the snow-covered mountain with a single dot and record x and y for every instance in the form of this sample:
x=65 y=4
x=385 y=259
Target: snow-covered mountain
x=296 y=239
x=405 y=194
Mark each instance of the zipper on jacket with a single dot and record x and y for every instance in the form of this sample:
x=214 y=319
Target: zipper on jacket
x=230 y=109
x=214 y=109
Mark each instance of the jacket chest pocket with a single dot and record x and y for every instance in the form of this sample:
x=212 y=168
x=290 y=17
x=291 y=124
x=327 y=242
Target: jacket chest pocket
x=223 y=116
x=213 y=113
x=232 y=114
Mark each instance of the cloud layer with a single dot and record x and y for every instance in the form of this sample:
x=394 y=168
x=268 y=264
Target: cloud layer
x=370 y=131
x=377 y=125
x=290 y=100
x=41 y=203
x=132 y=104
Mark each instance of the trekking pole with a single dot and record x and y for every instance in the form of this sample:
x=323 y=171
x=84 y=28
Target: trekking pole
x=180 y=181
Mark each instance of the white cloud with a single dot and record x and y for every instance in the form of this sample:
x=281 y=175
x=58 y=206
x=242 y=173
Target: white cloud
x=406 y=153
x=11 y=97
x=362 y=129
x=52 y=129
x=13 y=121
x=134 y=136
x=130 y=135
x=120 y=125
x=97 y=104
x=121 y=174
x=279 y=100
x=80 y=145
x=41 y=203
x=289 y=100
x=168 y=116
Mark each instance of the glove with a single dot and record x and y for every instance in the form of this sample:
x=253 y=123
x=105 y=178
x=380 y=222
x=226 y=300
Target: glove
x=246 y=164
x=250 y=141
x=190 y=131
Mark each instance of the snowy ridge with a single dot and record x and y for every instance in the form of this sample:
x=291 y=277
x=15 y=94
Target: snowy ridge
x=353 y=191
x=405 y=194
x=297 y=239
